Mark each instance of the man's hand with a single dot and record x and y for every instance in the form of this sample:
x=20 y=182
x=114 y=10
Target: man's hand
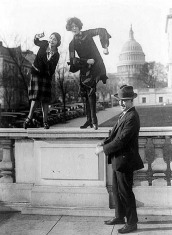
x=90 y=61
x=100 y=144
x=99 y=149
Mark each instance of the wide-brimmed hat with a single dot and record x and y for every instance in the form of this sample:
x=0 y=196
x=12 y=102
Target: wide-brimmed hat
x=125 y=93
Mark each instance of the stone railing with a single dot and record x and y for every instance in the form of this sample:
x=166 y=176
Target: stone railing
x=57 y=169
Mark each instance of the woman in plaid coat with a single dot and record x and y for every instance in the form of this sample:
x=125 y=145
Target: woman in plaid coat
x=42 y=71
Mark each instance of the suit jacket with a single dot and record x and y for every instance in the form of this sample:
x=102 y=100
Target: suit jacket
x=122 y=144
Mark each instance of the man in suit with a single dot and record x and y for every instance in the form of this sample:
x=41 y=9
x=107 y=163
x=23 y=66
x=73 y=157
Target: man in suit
x=122 y=150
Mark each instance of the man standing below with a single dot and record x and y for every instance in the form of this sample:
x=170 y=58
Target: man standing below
x=122 y=150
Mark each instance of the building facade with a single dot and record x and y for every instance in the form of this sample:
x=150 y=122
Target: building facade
x=131 y=60
x=15 y=66
x=159 y=96
x=169 y=33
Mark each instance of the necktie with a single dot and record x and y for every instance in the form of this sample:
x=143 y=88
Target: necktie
x=120 y=116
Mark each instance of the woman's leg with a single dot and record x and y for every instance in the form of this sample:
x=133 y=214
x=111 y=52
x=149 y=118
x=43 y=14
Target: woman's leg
x=33 y=106
x=28 y=122
x=88 y=114
x=92 y=104
x=45 y=111
x=84 y=94
x=45 y=115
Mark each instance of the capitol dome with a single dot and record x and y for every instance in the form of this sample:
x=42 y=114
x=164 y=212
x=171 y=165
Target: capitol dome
x=131 y=58
x=132 y=46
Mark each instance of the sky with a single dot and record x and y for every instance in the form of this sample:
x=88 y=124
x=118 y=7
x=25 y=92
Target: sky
x=22 y=19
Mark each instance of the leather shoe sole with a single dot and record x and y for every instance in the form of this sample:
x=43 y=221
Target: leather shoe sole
x=86 y=125
x=127 y=229
x=115 y=221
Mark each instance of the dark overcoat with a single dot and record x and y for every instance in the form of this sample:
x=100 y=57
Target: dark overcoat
x=86 y=49
x=121 y=146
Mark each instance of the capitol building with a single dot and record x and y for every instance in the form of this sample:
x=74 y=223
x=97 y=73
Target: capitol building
x=131 y=60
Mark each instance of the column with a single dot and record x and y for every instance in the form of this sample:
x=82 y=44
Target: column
x=7 y=163
x=169 y=32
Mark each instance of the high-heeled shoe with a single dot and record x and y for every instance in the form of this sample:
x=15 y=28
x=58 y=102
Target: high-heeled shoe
x=95 y=126
x=27 y=123
x=87 y=124
x=46 y=126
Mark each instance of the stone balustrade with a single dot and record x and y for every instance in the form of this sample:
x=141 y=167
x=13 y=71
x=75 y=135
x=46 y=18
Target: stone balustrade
x=56 y=171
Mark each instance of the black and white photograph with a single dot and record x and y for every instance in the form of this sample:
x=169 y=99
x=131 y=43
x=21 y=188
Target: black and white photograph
x=85 y=117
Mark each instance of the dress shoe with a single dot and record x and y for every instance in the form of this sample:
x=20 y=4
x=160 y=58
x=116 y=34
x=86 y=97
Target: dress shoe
x=95 y=126
x=114 y=221
x=27 y=123
x=128 y=228
x=87 y=124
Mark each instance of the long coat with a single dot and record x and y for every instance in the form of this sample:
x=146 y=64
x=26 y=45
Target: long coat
x=42 y=72
x=86 y=49
x=122 y=144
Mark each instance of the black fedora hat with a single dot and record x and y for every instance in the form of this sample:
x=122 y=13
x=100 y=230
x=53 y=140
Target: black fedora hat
x=125 y=93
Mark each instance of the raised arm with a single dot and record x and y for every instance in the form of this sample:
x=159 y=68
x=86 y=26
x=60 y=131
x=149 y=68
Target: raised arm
x=103 y=35
x=37 y=41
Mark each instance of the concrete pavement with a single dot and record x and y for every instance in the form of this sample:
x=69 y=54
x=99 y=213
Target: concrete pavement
x=102 y=116
x=18 y=224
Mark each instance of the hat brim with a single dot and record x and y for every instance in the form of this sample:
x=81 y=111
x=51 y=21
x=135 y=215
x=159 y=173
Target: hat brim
x=126 y=98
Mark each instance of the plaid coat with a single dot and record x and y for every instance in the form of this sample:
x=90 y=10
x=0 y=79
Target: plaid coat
x=42 y=72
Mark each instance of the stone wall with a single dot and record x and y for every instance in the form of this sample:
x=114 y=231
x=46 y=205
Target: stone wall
x=56 y=171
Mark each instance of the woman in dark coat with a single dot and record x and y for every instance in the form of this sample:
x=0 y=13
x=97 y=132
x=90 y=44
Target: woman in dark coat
x=90 y=64
x=42 y=71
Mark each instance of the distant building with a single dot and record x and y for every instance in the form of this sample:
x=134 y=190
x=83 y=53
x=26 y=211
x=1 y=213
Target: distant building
x=168 y=30
x=131 y=60
x=15 y=66
x=160 y=96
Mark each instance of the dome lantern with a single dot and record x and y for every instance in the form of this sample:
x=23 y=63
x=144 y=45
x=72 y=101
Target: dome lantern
x=131 y=33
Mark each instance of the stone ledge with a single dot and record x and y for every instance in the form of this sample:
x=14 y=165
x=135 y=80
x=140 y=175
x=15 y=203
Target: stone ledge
x=73 y=132
x=88 y=211
x=72 y=211
x=12 y=207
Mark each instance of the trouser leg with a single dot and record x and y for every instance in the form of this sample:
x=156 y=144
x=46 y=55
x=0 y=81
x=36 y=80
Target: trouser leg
x=119 y=207
x=125 y=183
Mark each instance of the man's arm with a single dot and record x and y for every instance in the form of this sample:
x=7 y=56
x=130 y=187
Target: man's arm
x=130 y=129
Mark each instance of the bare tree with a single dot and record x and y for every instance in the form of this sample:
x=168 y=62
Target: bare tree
x=67 y=84
x=109 y=88
x=8 y=84
x=152 y=75
x=21 y=62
